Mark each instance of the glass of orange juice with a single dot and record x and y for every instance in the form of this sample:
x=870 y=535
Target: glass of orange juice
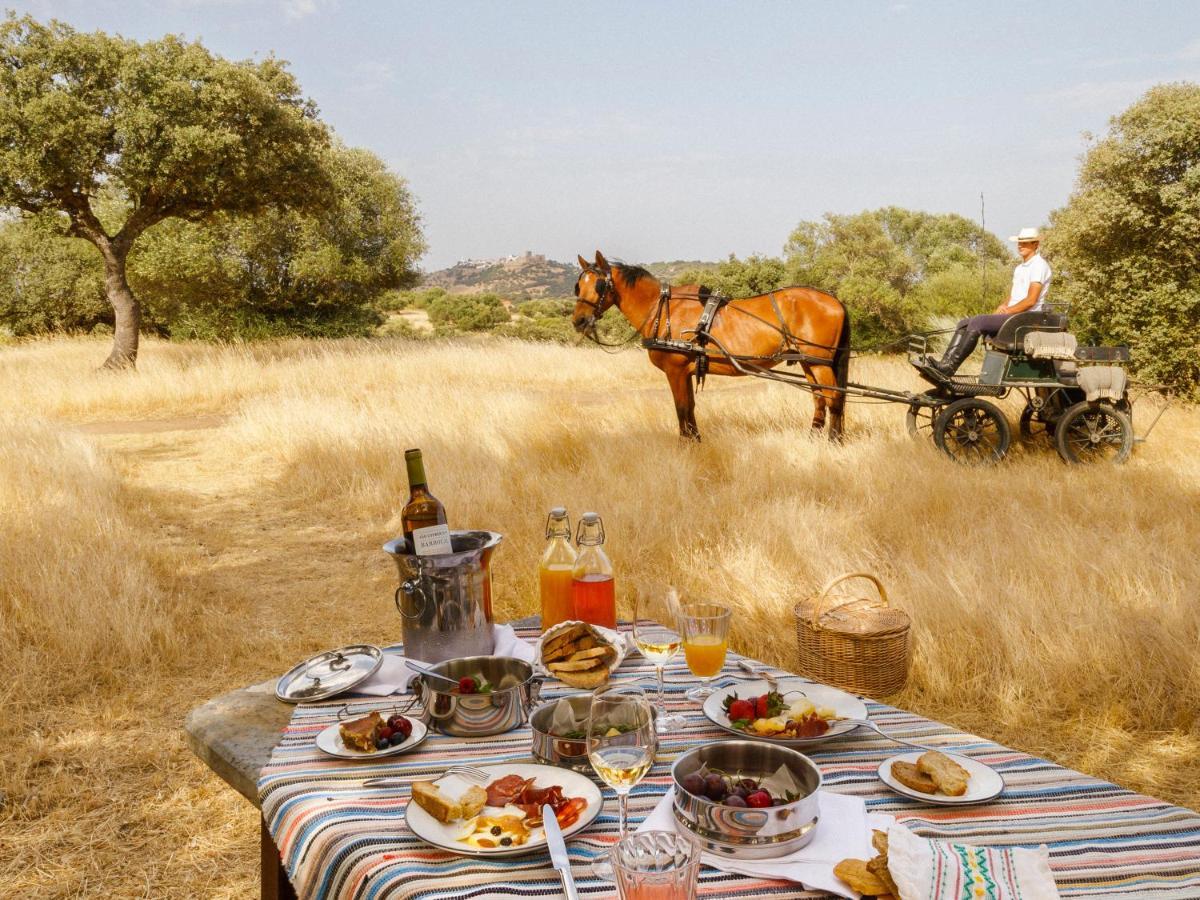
x=704 y=628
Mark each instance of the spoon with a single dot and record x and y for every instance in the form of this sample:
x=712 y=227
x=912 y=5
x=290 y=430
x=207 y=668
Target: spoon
x=425 y=670
x=866 y=723
x=770 y=679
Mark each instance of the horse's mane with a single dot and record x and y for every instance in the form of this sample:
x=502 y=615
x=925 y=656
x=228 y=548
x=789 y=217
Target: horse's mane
x=631 y=275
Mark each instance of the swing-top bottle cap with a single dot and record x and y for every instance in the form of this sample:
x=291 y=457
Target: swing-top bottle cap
x=590 y=518
x=558 y=512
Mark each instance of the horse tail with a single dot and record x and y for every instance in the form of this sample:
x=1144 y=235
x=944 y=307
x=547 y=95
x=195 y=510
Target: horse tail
x=841 y=359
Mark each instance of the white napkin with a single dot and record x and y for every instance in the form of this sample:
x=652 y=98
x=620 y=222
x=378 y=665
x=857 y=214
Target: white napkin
x=393 y=675
x=843 y=831
x=912 y=861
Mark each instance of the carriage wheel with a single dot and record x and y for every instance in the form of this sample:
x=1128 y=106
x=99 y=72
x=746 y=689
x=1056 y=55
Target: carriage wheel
x=1099 y=433
x=921 y=419
x=972 y=431
x=1033 y=426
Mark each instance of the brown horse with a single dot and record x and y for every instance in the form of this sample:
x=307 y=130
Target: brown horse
x=755 y=330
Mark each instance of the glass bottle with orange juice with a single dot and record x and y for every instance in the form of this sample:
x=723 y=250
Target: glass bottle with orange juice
x=592 y=590
x=556 y=570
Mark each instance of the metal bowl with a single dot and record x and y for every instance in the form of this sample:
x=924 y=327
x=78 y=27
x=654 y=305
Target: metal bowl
x=478 y=715
x=557 y=750
x=740 y=832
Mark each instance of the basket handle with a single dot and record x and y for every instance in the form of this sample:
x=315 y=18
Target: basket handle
x=818 y=609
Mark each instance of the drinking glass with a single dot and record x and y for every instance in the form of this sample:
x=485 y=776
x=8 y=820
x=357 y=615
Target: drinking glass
x=655 y=636
x=656 y=865
x=621 y=743
x=704 y=628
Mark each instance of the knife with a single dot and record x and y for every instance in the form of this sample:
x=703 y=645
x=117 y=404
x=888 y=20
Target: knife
x=558 y=852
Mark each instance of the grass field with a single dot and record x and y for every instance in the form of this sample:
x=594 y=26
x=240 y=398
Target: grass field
x=206 y=522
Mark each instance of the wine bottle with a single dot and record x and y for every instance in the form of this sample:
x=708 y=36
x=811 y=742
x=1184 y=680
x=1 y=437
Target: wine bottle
x=423 y=517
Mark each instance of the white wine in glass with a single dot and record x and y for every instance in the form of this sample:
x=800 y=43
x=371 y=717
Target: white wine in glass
x=654 y=635
x=621 y=743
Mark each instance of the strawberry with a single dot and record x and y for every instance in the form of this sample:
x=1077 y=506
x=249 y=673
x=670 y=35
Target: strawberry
x=759 y=800
x=466 y=685
x=741 y=709
x=761 y=706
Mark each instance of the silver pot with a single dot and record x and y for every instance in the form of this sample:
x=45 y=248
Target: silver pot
x=445 y=601
x=748 y=833
x=557 y=750
x=516 y=692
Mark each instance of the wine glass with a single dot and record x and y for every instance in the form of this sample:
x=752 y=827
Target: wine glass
x=704 y=628
x=621 y=743
x=655 y=636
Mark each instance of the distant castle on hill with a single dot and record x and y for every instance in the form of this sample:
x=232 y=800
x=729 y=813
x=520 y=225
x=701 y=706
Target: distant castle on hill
x=512 y=261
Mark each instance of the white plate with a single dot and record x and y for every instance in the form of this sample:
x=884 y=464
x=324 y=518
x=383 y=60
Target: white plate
x=429 y=829
x=330 y=741
x=847 y=706
x=985 y=782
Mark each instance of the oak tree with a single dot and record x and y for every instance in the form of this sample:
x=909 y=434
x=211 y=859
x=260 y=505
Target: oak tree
x=172 y=129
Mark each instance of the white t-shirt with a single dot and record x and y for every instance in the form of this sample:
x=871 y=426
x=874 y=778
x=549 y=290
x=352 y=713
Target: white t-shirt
x=1033 y=269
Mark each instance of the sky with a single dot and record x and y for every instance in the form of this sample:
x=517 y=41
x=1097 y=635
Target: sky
x=692 y=130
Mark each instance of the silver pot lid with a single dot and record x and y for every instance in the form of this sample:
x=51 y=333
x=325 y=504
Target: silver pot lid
x=329 y=673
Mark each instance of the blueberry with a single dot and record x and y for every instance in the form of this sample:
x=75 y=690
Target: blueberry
x=382 y=744
x=396 y=739
x=505 y=842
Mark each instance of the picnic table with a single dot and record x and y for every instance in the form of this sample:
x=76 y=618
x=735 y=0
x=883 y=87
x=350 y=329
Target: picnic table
x=340 y=840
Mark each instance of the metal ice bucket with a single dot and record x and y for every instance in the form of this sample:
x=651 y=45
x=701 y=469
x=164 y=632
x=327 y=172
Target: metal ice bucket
x=445 y=601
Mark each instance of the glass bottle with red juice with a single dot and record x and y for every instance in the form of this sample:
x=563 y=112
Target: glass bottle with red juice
x=592 y=595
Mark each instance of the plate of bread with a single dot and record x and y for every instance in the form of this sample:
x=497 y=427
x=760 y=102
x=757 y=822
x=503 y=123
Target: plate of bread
x=371 y=736
x=502 y=817
x=581 y=655
x=946 y=779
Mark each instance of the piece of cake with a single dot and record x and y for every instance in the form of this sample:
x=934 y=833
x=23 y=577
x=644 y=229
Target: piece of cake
x=430 y=798
x=361 y=734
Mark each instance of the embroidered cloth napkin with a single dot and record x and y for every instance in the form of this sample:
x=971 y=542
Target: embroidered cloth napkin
x=393 y=676
x=933 y=870
x=844 y=830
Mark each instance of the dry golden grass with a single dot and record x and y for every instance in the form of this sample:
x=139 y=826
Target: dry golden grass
x=145 y=571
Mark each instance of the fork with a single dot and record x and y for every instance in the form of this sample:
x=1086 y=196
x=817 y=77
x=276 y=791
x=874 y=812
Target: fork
x=866 y=723
x=467 y=773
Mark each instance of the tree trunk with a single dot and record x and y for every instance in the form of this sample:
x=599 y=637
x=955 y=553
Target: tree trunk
x=126 y=310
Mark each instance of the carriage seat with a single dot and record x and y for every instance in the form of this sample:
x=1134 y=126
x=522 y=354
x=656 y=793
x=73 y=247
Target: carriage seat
x=1102 y=382
x=1011 y=334
x=1050 y=344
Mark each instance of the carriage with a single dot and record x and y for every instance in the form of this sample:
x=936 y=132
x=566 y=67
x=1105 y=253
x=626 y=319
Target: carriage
x=1077 y=397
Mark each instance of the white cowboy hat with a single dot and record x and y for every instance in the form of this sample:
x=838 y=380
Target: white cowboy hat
x=1026 y=235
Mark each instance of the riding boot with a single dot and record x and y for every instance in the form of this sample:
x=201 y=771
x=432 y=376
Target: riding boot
x=962 y=343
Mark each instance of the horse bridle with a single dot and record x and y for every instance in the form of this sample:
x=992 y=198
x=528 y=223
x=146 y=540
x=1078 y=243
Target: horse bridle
x=604 y=288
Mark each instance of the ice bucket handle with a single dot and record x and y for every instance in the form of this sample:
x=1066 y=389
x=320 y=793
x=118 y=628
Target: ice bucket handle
x=412 y=589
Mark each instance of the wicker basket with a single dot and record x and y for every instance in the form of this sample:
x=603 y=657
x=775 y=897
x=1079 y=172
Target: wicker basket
x=851 y=642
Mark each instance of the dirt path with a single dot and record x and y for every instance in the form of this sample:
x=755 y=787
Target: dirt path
x=272 y=581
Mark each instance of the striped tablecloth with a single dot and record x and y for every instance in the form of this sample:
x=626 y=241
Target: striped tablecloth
x=339 y=840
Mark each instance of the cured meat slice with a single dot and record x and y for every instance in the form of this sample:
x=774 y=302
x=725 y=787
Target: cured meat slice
x=506 y=790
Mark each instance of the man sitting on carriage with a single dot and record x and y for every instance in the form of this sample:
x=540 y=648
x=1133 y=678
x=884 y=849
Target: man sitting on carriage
x=1030 y=285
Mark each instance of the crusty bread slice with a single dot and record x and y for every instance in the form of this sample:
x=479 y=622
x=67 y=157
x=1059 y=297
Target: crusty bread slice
x=551 y=647
x=949 y=776
x=585 y=681
x=591 y=653
x=912 y=777
x=473 y=800
x=579 y=665
x=431 y=799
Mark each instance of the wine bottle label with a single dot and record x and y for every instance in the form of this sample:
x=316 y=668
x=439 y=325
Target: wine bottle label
x=432 y=540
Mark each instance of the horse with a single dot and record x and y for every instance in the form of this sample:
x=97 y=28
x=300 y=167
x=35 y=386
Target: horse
x=756 y=330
